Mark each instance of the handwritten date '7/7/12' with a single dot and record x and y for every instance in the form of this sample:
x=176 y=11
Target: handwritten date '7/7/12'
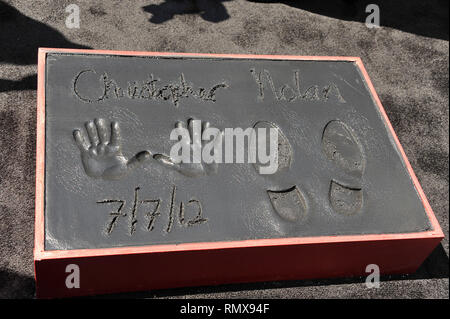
x=151 y=212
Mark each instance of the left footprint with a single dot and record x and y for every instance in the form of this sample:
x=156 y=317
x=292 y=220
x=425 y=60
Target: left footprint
x=290 y=204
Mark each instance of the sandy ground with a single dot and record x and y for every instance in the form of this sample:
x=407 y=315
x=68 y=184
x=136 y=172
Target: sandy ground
x=407 y=59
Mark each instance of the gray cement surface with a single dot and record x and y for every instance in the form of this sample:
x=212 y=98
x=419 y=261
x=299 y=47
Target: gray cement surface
x=231 y=202
x=407 y=60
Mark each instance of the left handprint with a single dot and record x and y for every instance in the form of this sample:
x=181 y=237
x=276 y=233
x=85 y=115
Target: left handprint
x=101 y=154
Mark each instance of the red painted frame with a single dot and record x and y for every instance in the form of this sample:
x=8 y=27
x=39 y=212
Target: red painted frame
x=191 y=264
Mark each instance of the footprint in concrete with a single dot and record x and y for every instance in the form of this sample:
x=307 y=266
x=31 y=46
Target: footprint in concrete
x=284 y=148
x=344 y=199
x=342 y=148
x=290 y=204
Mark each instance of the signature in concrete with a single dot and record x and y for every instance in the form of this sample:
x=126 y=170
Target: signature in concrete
x=291 y=92
x=149 y=89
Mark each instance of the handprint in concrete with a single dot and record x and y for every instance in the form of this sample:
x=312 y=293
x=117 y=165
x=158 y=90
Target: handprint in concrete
x=101 y=153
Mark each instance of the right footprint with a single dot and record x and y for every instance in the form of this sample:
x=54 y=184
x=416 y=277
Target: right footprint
x=344 y=150
x=344 y=199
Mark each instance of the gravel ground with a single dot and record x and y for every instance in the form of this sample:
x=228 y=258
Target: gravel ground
x=407 y=59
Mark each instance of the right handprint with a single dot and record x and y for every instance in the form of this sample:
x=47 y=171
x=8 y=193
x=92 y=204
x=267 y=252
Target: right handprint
x=342 y=148
x=193 y=139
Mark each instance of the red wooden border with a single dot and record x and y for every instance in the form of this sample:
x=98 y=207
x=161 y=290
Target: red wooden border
x=434 y=235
